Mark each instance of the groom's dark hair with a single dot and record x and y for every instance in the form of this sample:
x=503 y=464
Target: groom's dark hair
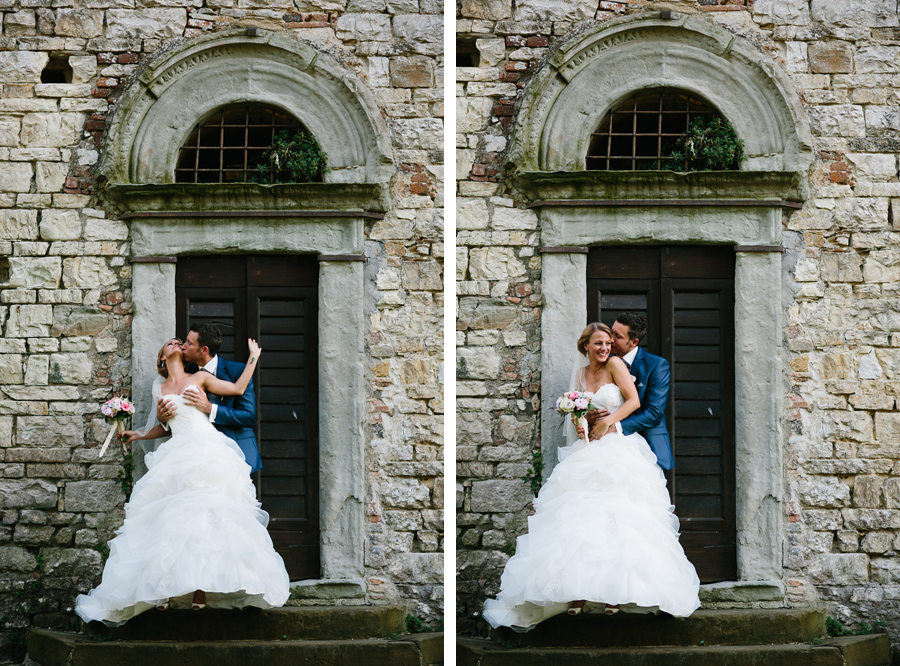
x=208 y=336
x=637 y=325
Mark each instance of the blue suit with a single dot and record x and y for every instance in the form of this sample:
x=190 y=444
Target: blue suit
x=236 y=414
x=652 y=376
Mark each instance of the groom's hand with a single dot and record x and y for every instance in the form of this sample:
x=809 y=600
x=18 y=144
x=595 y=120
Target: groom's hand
x=199 y=400
x=165 y=410
x=595 y=415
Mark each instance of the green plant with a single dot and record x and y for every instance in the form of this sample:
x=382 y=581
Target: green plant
x=534 y=475
x=816 y=641
x=510 y=548
x=125 y=478
x=835 y=628
x=707 y=145
x=414 y=625
x=297 y=159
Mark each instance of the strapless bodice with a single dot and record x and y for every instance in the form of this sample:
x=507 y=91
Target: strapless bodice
x=608 y=396
x=187 y=419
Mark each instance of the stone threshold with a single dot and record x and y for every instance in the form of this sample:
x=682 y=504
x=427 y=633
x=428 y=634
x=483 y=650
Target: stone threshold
x=329 y=589
x=742 y=591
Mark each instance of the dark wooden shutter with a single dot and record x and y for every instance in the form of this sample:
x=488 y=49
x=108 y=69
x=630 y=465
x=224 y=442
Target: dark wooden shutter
x=274 y=300
x=687 y=294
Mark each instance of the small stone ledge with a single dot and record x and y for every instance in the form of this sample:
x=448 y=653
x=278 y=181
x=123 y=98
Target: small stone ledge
x=742 y=591
x=189 y=197
x=611 y=185
x=329 y=589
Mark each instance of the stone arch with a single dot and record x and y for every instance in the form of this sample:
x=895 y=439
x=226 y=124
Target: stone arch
x=582 y=81
x=161 y=106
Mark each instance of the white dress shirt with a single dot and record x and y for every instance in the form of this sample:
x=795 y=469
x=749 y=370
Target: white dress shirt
x=211 y=368
x=629 y=359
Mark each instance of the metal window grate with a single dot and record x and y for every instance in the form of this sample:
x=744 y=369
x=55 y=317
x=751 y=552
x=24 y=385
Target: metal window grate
x=227 y=146
x=637 y=134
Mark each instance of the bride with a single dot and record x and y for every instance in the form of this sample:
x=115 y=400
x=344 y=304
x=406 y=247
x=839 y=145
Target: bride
x=603 y=531
x=193 y=525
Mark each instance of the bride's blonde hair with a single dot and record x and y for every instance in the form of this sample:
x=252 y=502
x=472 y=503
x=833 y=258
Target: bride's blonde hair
x=161 y=360
x=588 y=332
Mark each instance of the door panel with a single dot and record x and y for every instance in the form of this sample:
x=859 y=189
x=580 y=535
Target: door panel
x=274 y=300
x=687 y=295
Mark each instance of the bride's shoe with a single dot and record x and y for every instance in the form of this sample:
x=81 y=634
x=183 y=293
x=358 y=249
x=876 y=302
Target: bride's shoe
x=575 y=607
x=611 y=609
x=199 y=600
x=163 y=606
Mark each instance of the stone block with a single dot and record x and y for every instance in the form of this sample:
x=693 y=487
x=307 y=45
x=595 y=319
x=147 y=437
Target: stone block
x=842 y=267
x=887 y=427
x=418 y=133
x=494 y=263
x=474 y=429
x=27 y=494
x=96 y=229
x=16 y=176
x=156 y=23
x=14 y=558
x=18 y=223
x=471 y=214
x=93 y=496
x=882 y=121
x=29 y=321
x=82 y=23
x=84 y=68
x=781 y=12
x=35 y=272
x=866 y=520
x=412 y=72
x=513 y=219
x=854 y=426
x=49 y=431
x=70 y=369
x=490 y=10
x=491 y=51
x=10 y=369
x=877 y=59
x=555 y=10
x=68 y=562
x=77 y=321
x=53 y=130
x=882 y=266
x=846 y=120
x=51 y=176
x=22 y=66
x=818 y=519
x=500 y=496
x=37 y=370
x=477 y=363
x=867 y=491
x=404 y=494
x=885 y=570
x=831 y=57
x=873 y=167
x=891 y=491
x=421 y=275
x=839 y=569
x=9 y=131
x=854 y=14
x=877 y=542
x=33 y=535
x=87 y=273
x=422 y=28
x=824 y=492
x=60 y=224
x=363 y=28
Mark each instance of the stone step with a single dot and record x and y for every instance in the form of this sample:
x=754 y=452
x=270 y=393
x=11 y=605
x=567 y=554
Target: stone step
x=321 y=623
x=871 y=650
x=751 y=626
x=56 y=648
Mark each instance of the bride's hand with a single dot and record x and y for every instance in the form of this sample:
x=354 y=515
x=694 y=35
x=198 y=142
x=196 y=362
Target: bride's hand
x=255 y=349
x=602 y=427
x=129 y=436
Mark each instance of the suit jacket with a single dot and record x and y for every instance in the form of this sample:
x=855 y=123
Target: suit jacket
x=236 y=414
x=652 y=381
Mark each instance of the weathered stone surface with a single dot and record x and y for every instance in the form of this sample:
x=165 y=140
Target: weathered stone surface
x=839 y=569
x=70 y=369
x=554 y=10
x=82 y=23
x=420 y=28
x=882 y=120
x=29 y=321
x=35 y=272
x=27 y=494
x=412 y=72
x=16 y=176
x=49 y=431
x=156 y=23
x=63 y=224
x=492 y=10
x=781 y=12
x=78 y=321
x=831 y=57
x=847 y=13
x=14 y=558
x=824 y=492
x=839 y=120
x=22 y=66
x=500 y=496
x=405 y=493
x=51 y=129
x=18 y=224
x=363 y=27
x=93 y=496
x=87 y=273
x=477 y=363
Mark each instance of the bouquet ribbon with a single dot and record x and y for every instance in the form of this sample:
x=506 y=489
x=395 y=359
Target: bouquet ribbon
x=580 y=421
x=118 y=425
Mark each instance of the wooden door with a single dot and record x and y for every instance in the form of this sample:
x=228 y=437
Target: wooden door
x=687 y=295
x=274 y=300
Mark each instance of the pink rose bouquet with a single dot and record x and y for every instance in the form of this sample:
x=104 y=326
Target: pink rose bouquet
x=115 y=411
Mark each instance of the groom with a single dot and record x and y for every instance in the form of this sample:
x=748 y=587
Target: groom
x=652 y=380
x=233 y=415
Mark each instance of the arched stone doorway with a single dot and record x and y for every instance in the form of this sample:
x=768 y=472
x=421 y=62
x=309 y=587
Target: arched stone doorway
x=579 y=209
x=325 y=220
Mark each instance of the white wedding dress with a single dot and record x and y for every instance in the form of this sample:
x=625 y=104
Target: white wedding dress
x=604 y=531
x=193 y=523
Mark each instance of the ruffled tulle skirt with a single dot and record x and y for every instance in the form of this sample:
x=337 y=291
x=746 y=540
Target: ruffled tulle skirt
x=193 y=523
x=604 y=531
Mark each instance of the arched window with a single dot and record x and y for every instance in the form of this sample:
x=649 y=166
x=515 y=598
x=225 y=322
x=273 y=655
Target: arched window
x=227 y=146
x=641 y=133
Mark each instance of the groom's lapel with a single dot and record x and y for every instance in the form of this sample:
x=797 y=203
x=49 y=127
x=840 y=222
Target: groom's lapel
x=637 y=370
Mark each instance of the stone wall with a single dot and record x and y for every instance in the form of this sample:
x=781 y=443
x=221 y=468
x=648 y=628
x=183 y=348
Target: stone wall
x=840 y=305
x=65 y=286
